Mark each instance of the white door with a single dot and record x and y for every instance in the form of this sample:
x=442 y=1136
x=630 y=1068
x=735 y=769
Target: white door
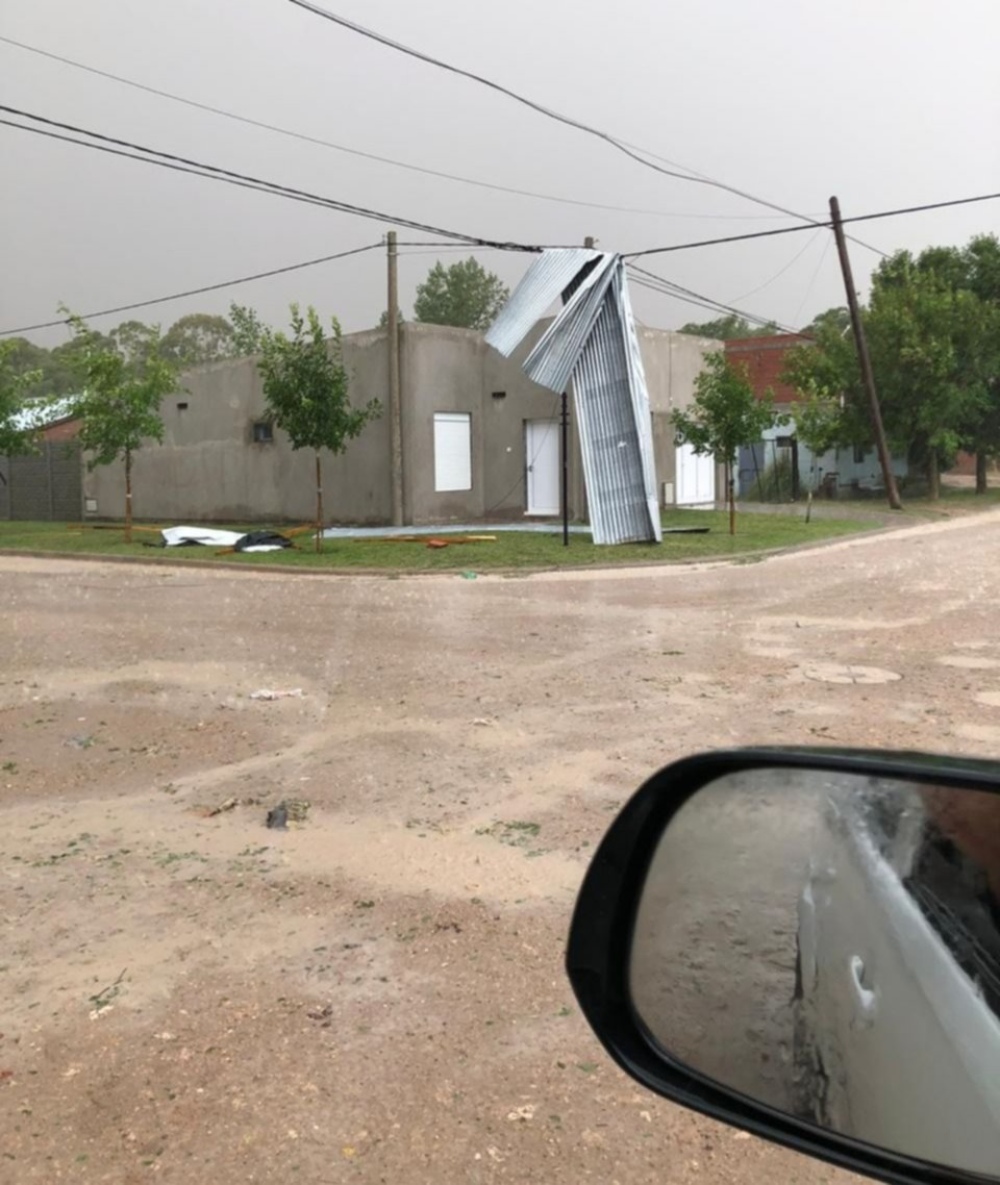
x=541 y=449
x=695 y=477
x=452 y=451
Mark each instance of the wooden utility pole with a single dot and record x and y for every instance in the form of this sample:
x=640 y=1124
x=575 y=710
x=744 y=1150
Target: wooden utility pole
x=864 y=359
x=395 y=408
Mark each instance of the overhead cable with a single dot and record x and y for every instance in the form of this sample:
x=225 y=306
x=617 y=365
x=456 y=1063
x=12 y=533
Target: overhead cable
x=154 y=156
x=640 y=155
x=385 y=160
x=143 y=304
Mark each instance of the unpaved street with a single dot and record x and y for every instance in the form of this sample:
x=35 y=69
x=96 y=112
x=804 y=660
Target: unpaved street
x=376 y=995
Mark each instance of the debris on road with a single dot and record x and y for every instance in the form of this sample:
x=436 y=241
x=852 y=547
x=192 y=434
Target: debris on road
x=277 y=818
x=267 y=694
x=288 y=810
x=229 y=805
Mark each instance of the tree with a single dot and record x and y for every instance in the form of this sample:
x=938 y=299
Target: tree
x=976 y=269
x=136 y=341
x=729 y=328
x=928 y=339
x=305 y=386
x=122 y=393
x=15 y=437
x=934 y=340
x=196 y=339
x=464 y=294
x=248 y=330
x=837 y=319
x=832 y=410
x=724 y=415
x=52 y=373
x=383 y=321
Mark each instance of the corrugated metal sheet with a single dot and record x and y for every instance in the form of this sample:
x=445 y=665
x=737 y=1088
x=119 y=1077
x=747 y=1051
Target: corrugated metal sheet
x=593 y=343
x=39 y=413
x=541 y=286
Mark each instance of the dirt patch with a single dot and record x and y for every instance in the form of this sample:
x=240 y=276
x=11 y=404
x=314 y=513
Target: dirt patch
x=377 y=993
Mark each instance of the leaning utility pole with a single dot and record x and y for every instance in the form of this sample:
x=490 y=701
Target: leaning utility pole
x=865 y=360
x=395 y=409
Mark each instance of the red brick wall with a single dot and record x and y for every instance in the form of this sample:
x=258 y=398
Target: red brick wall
x=764 y=358
x=63 y=430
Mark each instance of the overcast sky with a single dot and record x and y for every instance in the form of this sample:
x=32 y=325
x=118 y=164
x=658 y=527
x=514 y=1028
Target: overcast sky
x=885 y=103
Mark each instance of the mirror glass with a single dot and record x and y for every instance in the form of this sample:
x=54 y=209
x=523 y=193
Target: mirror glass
x=828 y=944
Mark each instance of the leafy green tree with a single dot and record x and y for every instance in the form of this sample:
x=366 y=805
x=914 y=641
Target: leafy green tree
x=15 y=439
x=52 y=373
x=976 y=269
x=836 y=320
x=383 y=321
x=732 y=327
x=122 y=393
x=724 y=415
x=196 y=339
x=933 y=330
x=306 y=386
x=136 y=341
x=831 y=411
x=248 y=330
x=928 y=339
x=464 y=294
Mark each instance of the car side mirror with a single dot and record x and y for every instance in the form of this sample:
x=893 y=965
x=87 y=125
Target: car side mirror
x=806 y=944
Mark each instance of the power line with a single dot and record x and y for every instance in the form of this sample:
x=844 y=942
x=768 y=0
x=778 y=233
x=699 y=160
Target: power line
x=657 y=283
x=790 y=230
x=213 y=172
x=143 y=304
x=317 y=140
x=815 y=276
x=701 y=304
x=687 y=175
x=778 y=274
x=277 y=271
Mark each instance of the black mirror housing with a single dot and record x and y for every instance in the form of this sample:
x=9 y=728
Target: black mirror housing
x=599 y=949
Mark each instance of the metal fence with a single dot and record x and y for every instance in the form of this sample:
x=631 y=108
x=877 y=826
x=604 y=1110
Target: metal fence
x=46 y=487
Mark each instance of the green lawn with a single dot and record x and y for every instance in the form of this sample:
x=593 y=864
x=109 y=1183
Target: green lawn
x=755 y=533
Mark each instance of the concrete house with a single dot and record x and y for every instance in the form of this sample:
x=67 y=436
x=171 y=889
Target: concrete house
x=480 y=440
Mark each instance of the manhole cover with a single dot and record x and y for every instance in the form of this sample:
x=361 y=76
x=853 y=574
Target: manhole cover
x=835 y=672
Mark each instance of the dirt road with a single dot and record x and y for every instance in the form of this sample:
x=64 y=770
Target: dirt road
x=377 y=993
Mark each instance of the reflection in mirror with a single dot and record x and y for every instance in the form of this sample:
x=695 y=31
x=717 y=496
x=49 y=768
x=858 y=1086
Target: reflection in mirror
x=828 y=944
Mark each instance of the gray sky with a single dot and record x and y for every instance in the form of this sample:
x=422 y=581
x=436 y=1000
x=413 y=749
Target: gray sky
x=886 y=103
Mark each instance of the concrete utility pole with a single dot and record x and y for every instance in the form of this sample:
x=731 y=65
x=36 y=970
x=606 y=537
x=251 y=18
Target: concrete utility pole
x=863 y=357
x=395 y=409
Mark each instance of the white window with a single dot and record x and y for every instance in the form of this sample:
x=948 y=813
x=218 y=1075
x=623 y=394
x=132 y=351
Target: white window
x=452 y=451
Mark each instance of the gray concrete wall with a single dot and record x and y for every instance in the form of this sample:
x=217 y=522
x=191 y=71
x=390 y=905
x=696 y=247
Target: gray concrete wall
x=672 y=362
x=446 y=369
x=209 y=469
